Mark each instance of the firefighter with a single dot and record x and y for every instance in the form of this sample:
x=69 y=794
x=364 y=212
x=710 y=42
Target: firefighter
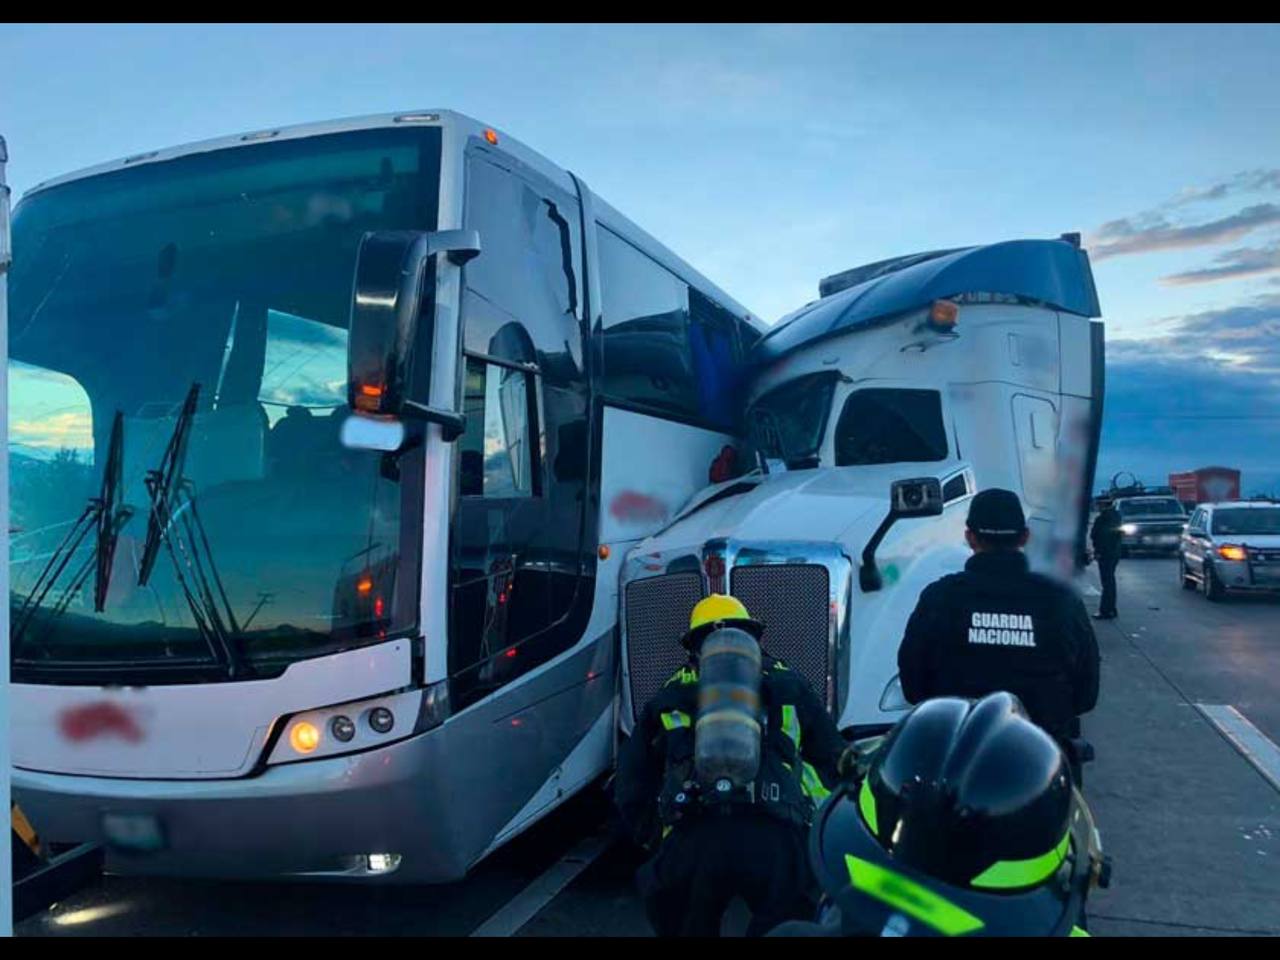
x=717 y=840
x=1106 y=538
x=998 y=626
x=966 y=824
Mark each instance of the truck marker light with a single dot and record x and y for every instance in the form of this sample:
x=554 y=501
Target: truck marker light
x=944 y=314
x=369 y=390
x=491 y=136
x=1229 y=551
x=378 y=607
x=603 y=551
x=304 y=737
x=364 y=584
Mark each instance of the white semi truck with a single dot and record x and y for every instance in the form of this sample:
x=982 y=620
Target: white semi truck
x=874 y=414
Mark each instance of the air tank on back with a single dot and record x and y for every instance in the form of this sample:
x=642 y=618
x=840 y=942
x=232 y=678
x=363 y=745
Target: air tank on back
x=727 y=734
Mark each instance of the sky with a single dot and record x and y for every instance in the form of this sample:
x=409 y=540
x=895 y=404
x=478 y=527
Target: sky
x=770 y=156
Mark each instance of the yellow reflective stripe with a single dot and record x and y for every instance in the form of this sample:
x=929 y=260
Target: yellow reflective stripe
x=685 y=675
x=867 y=804
x=1077 y=932
x=911 y=898
x=1005 y=874
x=813 y=784
x=665 y=831
x=791 y=724
x=674 y=719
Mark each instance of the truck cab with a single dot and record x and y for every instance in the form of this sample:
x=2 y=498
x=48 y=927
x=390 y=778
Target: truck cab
x=954 y=370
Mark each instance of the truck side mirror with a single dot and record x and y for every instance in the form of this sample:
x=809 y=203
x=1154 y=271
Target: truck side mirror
x=915 y=498
x=921 y=497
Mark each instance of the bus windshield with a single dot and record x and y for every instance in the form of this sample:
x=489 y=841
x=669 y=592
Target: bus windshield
x=177 y=363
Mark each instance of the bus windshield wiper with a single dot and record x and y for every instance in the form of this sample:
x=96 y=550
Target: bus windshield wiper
x=108 y=514
x=172 y=515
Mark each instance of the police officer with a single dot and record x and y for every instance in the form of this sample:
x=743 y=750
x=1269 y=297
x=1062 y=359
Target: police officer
x=998 y=626
x=754 y=847
x=1106 y=538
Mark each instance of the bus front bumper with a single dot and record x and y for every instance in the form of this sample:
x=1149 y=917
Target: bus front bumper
x=382 y=814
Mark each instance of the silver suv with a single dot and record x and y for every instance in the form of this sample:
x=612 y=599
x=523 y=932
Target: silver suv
x=1231 y=546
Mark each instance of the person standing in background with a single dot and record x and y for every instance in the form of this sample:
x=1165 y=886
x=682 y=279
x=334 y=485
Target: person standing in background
x=1105 y=537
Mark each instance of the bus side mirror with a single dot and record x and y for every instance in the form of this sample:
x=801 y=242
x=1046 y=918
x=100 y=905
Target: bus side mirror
x=393 y=270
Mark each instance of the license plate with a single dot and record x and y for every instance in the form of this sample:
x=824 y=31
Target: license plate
x=135 y=832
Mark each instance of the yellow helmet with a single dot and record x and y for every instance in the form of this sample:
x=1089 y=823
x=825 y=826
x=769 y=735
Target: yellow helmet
x=715 y=611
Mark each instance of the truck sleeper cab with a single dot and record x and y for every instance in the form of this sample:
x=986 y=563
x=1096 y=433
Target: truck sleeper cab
x=973 y=368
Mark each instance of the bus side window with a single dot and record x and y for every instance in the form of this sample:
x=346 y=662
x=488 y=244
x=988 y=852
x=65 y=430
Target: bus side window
x=647 y=356
x=497 y=457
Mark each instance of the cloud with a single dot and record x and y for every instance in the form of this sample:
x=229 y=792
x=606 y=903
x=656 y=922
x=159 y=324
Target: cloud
x=1248 y=181
x=1241 y=262
x=1240 y=338
x=1165 y=413
x=73 y=429
x=1152 y=231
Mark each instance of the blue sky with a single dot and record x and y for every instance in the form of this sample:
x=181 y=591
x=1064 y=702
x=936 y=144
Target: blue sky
x=770 y=156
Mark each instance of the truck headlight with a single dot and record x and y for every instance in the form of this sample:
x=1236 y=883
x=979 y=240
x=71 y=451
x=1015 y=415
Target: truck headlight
x=892 y=698
x=1129 y=528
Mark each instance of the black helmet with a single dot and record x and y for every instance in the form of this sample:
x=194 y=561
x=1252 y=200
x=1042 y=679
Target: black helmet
x=966 y=823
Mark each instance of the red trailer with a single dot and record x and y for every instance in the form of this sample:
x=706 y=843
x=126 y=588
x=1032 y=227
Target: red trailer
x=1206 y=485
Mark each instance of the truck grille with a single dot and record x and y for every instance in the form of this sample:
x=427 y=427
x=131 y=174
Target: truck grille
x=658 y=611
x=791 y=600
x=793 y=603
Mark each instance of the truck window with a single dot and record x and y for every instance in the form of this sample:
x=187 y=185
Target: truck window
x=890 y=426
x=789 y=421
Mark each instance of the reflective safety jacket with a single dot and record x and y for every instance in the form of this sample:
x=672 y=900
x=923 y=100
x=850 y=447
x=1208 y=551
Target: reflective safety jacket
x=800 y=748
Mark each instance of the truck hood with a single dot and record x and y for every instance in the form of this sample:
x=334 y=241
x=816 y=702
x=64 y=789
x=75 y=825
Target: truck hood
x=823 y=504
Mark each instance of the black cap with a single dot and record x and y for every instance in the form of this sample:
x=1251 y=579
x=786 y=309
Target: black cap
x=997 y=513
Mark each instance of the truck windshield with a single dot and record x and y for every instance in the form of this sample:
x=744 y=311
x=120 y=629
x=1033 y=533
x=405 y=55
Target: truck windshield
x=191 y=316
x=1251 y=520
x=788 y=422
x=1164 y=507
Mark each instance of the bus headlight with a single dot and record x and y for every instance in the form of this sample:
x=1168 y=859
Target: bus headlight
x=330 y=731
x=892 y=698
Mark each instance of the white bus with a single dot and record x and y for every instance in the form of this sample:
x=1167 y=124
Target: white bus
x=255 y=634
